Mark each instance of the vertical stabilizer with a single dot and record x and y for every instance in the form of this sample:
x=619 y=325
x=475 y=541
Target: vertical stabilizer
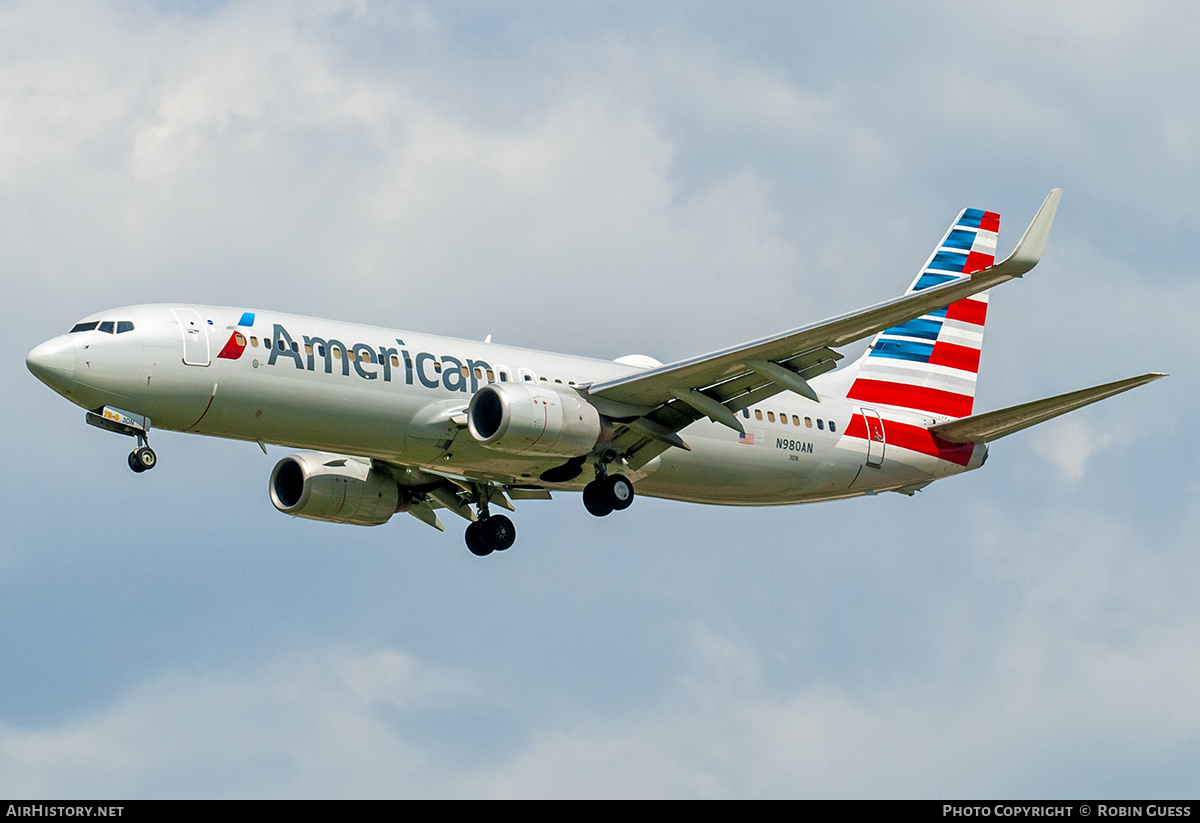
x=929 y=364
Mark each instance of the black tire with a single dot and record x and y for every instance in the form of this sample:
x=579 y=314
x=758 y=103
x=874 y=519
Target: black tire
x=500 y=532
x=619 y=490
x=596 y=500
x=135 y=463
x=475 y=541
x=147 y=458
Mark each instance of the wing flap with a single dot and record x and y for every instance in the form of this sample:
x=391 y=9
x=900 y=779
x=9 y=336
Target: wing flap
x=984 y=428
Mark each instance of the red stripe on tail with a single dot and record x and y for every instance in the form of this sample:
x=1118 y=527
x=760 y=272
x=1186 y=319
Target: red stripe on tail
x=922 y=398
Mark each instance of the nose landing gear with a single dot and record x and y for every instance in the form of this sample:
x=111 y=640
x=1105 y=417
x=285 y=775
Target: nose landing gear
x=142 y=459
x=120 y=421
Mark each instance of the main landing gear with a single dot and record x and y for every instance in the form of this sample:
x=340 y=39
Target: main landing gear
x=607 y=493
x=495 y=532
x=490 y=532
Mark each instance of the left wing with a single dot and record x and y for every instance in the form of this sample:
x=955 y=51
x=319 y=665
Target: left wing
x=658 y=403
x=429 y=491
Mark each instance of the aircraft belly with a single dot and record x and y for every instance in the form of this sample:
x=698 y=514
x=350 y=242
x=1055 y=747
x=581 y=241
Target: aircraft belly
x=725 y=469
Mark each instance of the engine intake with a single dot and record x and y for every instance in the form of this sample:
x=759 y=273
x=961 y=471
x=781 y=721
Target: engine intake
x=527 y=419
x=335 y=488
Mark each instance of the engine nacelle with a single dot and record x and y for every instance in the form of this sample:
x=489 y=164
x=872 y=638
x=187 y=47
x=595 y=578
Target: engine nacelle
x=522 y=418
x=335 y=488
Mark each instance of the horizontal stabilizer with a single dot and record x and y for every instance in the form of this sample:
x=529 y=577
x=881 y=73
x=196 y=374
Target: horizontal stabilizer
x=983 y=428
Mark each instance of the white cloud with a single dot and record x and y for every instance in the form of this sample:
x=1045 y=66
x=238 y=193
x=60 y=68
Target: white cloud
x=1067 y=444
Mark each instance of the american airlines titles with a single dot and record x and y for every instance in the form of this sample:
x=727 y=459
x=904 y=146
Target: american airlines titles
x=374 y=364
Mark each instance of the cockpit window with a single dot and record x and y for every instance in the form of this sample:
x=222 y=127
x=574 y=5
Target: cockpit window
x=124 y=326
x=85 y=326
x=107 y=327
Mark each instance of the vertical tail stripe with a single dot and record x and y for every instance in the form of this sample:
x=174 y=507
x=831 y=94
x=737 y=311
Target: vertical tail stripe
x=924 y=355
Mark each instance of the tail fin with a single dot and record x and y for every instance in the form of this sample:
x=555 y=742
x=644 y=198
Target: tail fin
x=929 y=364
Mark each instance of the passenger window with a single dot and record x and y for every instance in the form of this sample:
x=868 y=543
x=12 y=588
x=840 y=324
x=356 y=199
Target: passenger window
x=746 y=413
x=820 y=424
x=437 y=366
x=254 y=341
x=503 y=377
x=770 y=417
x=337 y=354
x=395 y=361
x=267 y=343
x=295 y=347
x=466 y=372
x=796 y=420
x=808 y=422
x=529 y=377
x=491 y=376
x=124 y=326
x=84 y=326
x=308 y=348
x=107 y=327
x=758 y=414
x=832 y=426
x=321 y=350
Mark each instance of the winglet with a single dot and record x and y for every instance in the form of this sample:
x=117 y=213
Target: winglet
x=1029 y=248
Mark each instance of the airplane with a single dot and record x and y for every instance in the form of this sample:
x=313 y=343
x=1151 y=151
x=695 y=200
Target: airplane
x=391 y=421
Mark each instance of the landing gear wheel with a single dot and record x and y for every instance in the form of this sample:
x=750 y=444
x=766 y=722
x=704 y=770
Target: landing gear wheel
x=146 y=457
x=475 y=542
x=495 y=534
x=135 y=463
x=596 y=499
x=619 y=491
x=500 y=531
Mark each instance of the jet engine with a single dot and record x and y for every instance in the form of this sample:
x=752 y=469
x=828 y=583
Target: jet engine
x=335 y=488
x=530 y=419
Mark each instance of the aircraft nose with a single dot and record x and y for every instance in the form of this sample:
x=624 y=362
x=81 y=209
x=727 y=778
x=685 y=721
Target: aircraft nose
x=53 y=362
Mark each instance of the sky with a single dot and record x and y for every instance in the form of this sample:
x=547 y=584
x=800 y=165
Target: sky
x=605 y=179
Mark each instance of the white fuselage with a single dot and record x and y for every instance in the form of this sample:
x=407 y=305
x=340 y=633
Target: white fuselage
x=393 y=396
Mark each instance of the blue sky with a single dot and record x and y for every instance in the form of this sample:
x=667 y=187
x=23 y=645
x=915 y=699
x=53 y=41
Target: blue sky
x=604 y=179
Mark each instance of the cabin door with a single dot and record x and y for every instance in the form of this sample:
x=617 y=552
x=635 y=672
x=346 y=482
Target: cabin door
x=876 y=442
x=195 y=337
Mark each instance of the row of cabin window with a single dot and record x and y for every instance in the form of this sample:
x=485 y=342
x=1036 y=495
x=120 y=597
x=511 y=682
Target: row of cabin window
x=783 y=418
x=106 y=326
x=369 y=357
